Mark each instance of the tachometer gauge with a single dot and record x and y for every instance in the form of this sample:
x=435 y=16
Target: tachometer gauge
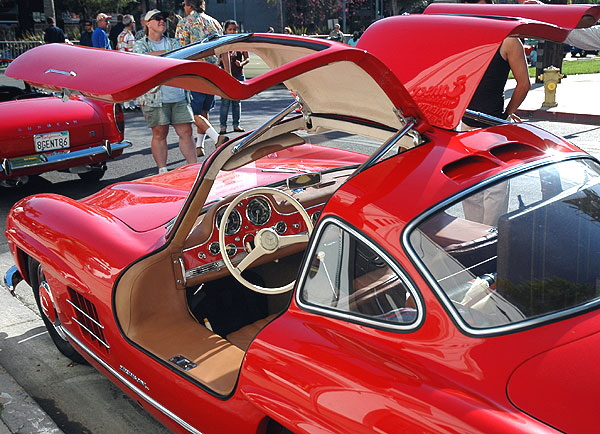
x=234 y=221
x=258 y=211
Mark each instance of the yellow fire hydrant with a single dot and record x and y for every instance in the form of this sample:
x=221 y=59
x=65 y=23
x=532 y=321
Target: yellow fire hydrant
x=551 y=78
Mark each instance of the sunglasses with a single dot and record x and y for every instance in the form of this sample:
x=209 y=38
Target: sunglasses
x=158 y=19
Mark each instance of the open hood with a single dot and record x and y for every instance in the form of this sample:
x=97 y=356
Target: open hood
x=566 y=16
x=425 y=67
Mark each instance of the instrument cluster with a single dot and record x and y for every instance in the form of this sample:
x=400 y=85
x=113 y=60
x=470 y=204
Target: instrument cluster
x=245 y=220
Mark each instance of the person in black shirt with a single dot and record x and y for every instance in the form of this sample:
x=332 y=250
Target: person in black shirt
x=52 y=33
x=115 y=31
x=237 y=61
x=86 y=35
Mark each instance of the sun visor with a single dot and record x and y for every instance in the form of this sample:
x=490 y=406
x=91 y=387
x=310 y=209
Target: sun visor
x=565 y=16
x=441 y=59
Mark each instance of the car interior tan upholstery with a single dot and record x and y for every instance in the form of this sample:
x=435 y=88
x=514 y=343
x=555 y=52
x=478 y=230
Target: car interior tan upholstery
x=162 y=325
x=241 y=338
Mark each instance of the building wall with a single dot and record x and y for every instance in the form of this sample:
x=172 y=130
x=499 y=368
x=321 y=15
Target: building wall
x=252 y=15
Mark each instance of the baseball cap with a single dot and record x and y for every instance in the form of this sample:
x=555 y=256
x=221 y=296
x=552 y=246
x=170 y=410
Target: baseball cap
x=154 y=12
x=102 y=16
x=128 y=19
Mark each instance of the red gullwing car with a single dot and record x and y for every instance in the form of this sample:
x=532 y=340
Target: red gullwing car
x=40 y=133
x=361 y=266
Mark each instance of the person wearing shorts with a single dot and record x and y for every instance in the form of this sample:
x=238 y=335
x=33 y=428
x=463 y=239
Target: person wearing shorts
x=194 y=27
x=165 y=105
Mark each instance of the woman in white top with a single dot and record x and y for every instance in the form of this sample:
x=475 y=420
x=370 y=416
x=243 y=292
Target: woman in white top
x=165 y=105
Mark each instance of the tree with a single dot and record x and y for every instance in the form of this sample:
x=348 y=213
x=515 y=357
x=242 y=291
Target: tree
x=90 y=8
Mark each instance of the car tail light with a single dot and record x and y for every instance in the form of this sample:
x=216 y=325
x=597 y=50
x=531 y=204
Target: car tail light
x=119 y=117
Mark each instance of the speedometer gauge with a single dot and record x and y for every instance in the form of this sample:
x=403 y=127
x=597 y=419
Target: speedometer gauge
x=258 y=211
x=234 y=221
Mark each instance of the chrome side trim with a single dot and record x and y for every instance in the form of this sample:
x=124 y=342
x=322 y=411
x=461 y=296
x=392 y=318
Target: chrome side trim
x=12 y=278
x=13 y=165
x=134 y=389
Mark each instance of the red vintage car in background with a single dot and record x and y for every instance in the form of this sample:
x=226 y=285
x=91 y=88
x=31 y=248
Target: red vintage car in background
x=40 y=133
x=362 y=266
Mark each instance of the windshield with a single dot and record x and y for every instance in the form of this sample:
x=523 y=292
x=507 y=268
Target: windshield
x=518 y=251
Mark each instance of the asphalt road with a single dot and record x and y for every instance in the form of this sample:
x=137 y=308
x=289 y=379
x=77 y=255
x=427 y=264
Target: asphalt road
x=78 y=398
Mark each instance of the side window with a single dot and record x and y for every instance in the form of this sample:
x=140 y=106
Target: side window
x=348 y=276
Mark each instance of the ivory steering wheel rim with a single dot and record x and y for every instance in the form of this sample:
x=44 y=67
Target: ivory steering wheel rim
x=267 y=240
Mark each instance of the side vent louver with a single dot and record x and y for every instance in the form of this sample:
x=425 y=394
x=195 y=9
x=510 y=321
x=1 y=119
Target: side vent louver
x=86 y=316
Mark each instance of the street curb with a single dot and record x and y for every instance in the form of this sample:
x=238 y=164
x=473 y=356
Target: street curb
x=19 y=412
x=544 y=115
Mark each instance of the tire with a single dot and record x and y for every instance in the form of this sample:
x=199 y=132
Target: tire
x=95 y=174
x=36 y=276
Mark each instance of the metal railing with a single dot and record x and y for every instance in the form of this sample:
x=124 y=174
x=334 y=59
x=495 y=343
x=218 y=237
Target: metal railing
x=12 y=49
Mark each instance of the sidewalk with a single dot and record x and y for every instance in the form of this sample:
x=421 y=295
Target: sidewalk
x=576 y=96
x=19 y=413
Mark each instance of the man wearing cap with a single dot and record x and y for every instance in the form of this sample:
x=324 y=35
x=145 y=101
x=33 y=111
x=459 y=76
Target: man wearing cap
x=99 y=37
x=165 y=105
x=196 y=26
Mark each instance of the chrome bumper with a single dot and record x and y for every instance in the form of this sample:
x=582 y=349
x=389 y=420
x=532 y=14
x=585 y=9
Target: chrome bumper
x=9 y=166
x=12 y=278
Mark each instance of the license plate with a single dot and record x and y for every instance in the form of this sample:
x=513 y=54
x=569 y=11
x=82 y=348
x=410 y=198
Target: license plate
x=50 y=141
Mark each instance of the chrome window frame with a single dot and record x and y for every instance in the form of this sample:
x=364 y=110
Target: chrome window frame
x=439 y=291
x=348 y=315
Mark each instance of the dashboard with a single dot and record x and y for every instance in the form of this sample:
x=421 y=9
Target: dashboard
x=202 y=254
x=247 y=218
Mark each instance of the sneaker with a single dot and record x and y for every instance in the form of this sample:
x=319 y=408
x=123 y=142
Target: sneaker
x=223 y=131
x=222 y=139
x=239 y=130
x=200 y=151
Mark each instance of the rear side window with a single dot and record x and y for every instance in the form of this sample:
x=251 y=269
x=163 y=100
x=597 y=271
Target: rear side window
x=350 y=277
x=518 y=252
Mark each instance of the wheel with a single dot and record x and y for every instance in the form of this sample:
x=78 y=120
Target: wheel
x=48 y=312
x=267 y=240
x=95 y=174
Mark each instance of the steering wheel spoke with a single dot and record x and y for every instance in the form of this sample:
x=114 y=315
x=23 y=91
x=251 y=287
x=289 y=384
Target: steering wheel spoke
x=250 y=258
x=288 y=240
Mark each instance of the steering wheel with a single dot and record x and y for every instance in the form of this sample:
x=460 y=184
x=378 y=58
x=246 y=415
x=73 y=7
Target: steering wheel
x=266 y=241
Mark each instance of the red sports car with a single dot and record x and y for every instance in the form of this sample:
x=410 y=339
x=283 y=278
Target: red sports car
x=40 y=133
x=362 y=266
